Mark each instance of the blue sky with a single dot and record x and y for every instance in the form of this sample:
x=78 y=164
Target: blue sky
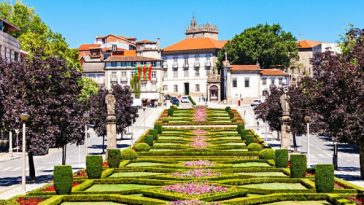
x=79 y=21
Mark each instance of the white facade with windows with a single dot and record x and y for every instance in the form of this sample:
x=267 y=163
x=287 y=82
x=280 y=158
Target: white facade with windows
x=9 y=46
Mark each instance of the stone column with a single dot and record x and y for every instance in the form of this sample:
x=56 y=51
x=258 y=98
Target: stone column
x=110 y=121
x=285 y=128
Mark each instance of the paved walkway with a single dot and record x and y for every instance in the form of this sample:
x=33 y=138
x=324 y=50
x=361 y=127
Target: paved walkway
x=10 y=168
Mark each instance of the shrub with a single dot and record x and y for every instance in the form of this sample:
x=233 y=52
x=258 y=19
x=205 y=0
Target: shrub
x=113 y=158
x=144 y=147
x=249 y=139
x=228 y=109
x=63 y=179
x=94 y=166
x=281 y=158
x=298 y=165
x=154 y=132
x=254 y=147
x=243 y=134
x=170 y=111
x=240 y=128
x=324 y=178
x=174 y=107
x=191 y=100
x=149 y=140
x=158 y=127
x=129 y=154
x=267 y=153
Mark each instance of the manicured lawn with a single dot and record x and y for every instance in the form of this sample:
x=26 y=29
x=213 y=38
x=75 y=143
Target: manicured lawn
x=264 y=174
x=117 y=187
x=143 y=164
x=92 y=203
x=243 y=150
x=161 y=150
x=300 y=203
x=160 y=143
x=231 y=138
x=251 y=164
x=234 y=143
x=132 y=174
x=275 y=186
x=169 y=138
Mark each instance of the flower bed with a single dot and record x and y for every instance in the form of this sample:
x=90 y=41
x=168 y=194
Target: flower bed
x=200 y=115
x=51 y=188
x=29 y=200
x=197 y=173
x=199 y=163
x=199 y=132
x=193 y=202
x=194 y=188
x=199 y=142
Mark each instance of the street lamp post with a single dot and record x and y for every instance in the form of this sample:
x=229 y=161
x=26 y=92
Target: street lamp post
x=130 y=132
x=11 y=143
x=86 y=117
x=24 y=118
x=17 y=142
x=144 y=118
x=308 y=121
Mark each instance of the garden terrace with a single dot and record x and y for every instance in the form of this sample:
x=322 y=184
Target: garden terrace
x=191 y=166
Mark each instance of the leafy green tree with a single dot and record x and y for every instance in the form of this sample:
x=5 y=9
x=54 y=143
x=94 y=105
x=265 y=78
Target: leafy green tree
x=89 y=88
x=269 y=45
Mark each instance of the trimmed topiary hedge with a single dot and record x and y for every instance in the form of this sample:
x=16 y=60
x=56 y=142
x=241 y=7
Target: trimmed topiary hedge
x=128 y=154
x=143 y=147
x=154 y=132
x=149 y=140
x=249 y=139
x=254 y=147
x=63 y=179
x=244 y=133
x=113 y=158
x=298 y=165
x=94 y=166
x=267 y=153
x=324 y=178
x=158 y=127
x=281 y=158
x=240 y=128
x=228 y=109
x=170 y=112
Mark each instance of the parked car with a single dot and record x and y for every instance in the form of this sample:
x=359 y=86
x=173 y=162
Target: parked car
x=185 y=99
x=167 y=97
x=256 y=103
x=174 y=101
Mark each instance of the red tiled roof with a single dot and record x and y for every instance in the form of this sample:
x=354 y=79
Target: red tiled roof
x=273 y=72
x=130 y=58
x=195 y=44
x=86 y=47
x=145 y=41
x=245 y=67
x=307 y=44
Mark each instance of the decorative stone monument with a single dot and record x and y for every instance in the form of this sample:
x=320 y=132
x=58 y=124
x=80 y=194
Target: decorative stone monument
x=285 y=128
x=110 y=121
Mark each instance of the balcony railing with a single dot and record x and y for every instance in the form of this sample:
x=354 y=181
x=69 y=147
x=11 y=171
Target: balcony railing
x=208 y=64
x=185 y=65
x=175 y=65
x=165 y=65
x=196 y=64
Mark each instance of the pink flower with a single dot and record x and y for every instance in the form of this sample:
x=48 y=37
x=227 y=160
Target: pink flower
x=199 y=163
x=193 y=202
x=194 y=188
x=196 y=173
x=200 y=115
x=199 y=132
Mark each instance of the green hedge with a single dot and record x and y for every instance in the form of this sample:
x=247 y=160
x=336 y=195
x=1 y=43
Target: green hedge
x=240 y=127
x=63 y=179
x=154 y=132
x=254 y=147
x=94 y=166
x=143 y=147
x=281 y=158
x=191 y=100
x=128 y=154
x=324 y=178
x=298 y=165
x=228 y=109
x=267 y=153
x=170 y=112
x=159 y=128
x=107 y=172
x=113 y=158
x=149 y=140
x=244 y=133
x=249 y=139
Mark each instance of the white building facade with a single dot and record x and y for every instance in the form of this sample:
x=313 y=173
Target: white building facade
x=9 y=46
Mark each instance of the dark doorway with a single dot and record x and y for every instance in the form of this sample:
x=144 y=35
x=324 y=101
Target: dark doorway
x=187 y=88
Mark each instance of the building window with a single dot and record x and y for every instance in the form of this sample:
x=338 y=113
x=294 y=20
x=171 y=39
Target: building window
x=235 y=82
x=123 y=74
x=175 y=58
x=186 y=73
x=154 y=74
x=247 y=82
x=197 y=57
x=175 y=88
x=114 y=77
x=280 y=81
x=132 y=73
x=175 y=73
x=165 y=87
x=113 y=64
x=197 y=72
x=272 y=81
x=197 y=87
x=264 y=81
x=208 y=56
x=186 y=60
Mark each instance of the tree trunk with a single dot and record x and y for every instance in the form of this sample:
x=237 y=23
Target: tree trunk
x=103 y=144
x=31 y=166
x=64 y=150
x=278 y=138
x=294 y=141
x=361 y=147
x=335 y=153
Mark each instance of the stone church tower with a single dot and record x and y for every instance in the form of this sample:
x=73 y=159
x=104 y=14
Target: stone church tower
x=202 y=31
